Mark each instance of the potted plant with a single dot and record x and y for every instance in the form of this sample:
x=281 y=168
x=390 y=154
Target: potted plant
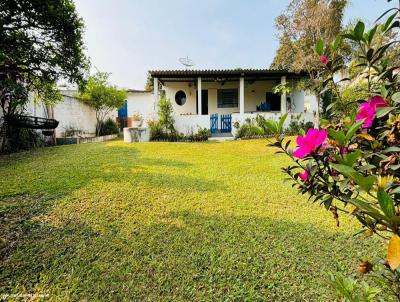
x=137 y=120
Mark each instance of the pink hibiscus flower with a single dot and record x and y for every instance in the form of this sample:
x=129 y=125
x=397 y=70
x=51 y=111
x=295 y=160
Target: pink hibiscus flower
x=303 y=176
x=367 y=110
x=307 y=144
x=324 y=59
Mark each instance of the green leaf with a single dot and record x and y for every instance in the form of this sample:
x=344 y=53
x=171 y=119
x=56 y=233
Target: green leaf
x=351 y=158
x=365 y=182
x=348 y=159
x=386 y=203
x=396 y=97
x=367 y=208
x=335 y=44
x=366 y=167
x=349 y=36
x=382 y=111
x=391 y=149
x=389 y=21
x=338 y=136
x=371 y=33
x=384 y=91
x=319 y=47
x=359 y=30
x=352 y=130
x=281 y=122
x=272 y=126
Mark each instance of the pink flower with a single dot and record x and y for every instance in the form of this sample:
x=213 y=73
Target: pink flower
x=366 y=111
x=378 y=101
x=310 y=142
x=303 y=176
x=324 y=59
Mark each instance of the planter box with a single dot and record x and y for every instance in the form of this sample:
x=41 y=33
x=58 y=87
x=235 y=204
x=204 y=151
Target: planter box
x=84 y=140
x=136 y=134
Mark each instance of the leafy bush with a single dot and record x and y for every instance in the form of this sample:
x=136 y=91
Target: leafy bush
x=108 y=127
x=353 y=165
x=201 y=135
x=350 y=289
x=297 y=126
x=23 y=139
x=250 y=128
x=260 y=127
x=165 y=114
x=164 y=130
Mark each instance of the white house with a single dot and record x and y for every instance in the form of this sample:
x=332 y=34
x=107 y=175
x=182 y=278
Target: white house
x=215 y=99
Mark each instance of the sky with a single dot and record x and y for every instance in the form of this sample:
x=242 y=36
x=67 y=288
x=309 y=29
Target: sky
x=130 y=37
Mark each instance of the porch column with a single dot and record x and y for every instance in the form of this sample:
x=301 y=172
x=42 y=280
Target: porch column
x=283 y=97
x=155 y=93
x=241 y=95
x=199 y=96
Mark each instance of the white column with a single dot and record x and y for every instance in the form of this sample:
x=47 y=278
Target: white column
x=199 y=96
x=155 y=93
x=283 y=97
x=241 y=95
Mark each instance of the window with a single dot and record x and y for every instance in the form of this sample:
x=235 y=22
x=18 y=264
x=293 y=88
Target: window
x=227 y=98
x=274 y=100
x=180 y=97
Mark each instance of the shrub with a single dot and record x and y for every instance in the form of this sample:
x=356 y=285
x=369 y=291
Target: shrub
x=108 y=127
x=201 y=135
x=249 y=129
x=262 y=123
x=165 y=114
x=297 y=126
x=164 y=130
x=352 y=166
x=23 y=139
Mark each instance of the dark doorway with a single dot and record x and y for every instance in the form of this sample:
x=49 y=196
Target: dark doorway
x=204 y=102
x=274 y=100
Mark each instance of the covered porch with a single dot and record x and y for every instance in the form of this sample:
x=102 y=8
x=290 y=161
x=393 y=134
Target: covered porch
x=198 y=95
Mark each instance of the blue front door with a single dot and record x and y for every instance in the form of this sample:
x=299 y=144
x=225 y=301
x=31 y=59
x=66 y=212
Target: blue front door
x=123 y=111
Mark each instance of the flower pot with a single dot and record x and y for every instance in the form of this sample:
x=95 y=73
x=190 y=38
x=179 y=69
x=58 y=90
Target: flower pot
x=136 y=124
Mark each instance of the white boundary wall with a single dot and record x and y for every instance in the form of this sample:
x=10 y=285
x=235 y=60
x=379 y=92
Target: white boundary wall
x=191 y=123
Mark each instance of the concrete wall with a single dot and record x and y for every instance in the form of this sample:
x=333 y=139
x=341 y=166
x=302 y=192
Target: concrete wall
x=141 y=103
x=71 y=113
x=191 y=123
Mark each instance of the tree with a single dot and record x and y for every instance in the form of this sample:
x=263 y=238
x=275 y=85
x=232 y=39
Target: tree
x=302 y=24
x=40 y=43
x=149 y=86
x=102 y=97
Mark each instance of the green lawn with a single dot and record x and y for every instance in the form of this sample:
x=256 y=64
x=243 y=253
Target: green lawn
x=166 y=221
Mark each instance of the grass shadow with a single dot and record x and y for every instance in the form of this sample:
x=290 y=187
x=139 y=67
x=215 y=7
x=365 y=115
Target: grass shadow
x=188 y=256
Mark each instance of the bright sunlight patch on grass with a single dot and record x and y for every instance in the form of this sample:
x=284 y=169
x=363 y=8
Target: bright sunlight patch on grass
x=166 y=221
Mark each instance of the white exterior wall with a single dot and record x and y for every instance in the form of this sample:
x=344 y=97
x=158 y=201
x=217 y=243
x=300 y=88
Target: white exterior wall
x=141 y=103
x=310 y=102
x=298 y=101
x=191 y=123
x=72 y=113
